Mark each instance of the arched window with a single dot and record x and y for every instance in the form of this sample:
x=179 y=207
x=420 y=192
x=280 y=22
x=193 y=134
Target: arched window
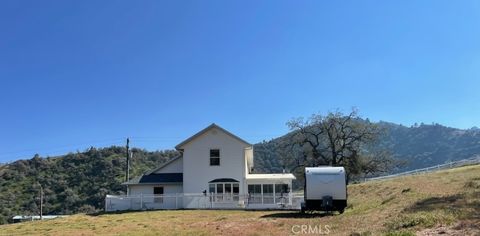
x=224 y=190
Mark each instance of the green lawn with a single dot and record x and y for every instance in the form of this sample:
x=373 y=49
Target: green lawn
x=445 y=201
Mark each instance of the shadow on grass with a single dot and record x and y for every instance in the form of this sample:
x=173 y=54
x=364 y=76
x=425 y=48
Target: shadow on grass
x=297 y=215
x=467 y=203
x=435 y=203
x=150 y=210
x=119 y=212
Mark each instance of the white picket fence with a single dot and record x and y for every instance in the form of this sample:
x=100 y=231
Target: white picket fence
x=453 y=164
x=201 y=201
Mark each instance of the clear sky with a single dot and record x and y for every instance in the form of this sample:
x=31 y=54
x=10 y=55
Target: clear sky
x=75 y=74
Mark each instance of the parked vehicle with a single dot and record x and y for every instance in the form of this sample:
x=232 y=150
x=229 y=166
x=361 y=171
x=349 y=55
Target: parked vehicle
x=325 y=189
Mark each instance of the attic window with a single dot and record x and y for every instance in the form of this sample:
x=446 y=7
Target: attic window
x=214 y=157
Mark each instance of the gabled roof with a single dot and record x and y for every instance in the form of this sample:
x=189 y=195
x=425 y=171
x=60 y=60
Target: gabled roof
x=162 y=178
x=163 y=165
x=212 y=126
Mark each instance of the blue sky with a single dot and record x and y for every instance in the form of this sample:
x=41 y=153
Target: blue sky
x=75 y=74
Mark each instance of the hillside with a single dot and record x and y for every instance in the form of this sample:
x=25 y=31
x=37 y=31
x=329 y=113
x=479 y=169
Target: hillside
x=427 y=145
x=445 y=202
x=418 y=146
x=76 y=182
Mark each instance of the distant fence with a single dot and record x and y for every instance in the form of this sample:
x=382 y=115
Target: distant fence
x=471 y=161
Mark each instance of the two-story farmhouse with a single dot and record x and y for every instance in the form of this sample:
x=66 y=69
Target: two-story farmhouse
x=213 y=171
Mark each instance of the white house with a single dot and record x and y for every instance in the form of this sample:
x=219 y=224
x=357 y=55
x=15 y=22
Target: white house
x=213 y=171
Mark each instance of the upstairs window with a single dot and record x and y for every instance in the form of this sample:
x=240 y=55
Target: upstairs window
x=214 y=157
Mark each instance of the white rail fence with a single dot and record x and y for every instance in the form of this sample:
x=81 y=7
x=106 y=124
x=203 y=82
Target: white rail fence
x=235 y=201
x=471 y=161
x=201 y=201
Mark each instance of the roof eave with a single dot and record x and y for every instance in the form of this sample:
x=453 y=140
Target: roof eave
x=267 y=176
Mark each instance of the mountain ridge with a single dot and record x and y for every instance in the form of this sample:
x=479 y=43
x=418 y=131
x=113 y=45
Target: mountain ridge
x=419 y=146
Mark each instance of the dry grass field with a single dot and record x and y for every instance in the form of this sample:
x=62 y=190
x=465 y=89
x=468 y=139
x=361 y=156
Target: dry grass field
x=445 y=202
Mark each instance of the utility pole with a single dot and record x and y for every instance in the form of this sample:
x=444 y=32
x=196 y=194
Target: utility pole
x=130 y=163
x=127 y=174
x=41 y=202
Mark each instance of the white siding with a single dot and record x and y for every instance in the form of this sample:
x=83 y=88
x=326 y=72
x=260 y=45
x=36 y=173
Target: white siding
x=169 y=201
x=148 y=189
x=196 y=165
x=175 y=166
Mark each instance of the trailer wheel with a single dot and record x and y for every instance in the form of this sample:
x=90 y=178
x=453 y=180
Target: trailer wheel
x=341 y=210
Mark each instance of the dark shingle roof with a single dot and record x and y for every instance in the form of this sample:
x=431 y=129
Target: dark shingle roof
x=157 y=178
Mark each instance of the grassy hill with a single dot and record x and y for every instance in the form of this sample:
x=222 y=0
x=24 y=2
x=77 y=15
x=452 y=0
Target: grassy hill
x=442 y=202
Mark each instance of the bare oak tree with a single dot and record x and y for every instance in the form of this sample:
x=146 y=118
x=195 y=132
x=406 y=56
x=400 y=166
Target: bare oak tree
x=336 y=140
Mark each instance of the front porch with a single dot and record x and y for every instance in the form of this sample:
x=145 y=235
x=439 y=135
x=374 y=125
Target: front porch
x=270 y=191
x=165 y=191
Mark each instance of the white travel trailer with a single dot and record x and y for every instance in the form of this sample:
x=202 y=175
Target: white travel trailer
x=325 y=189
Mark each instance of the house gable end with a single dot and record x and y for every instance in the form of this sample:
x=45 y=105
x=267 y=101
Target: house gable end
x=210 y=127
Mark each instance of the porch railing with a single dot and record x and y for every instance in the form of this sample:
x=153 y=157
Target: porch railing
x=202 y=201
